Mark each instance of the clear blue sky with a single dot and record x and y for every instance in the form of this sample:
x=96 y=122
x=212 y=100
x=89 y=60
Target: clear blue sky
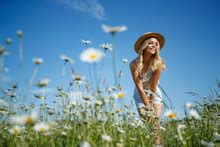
x=52 y=27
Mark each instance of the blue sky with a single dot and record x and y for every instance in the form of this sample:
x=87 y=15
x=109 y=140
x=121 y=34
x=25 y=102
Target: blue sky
x=52 y=27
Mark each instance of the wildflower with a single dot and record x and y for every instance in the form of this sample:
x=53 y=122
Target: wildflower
x=86 y=42
x=86 y=97
x=171 y=114
x=8 y=41
x=85 y=144
x=30 y=119
x=66 y=58
x=180 y=127
x=19 y=33
x=68 y=127
x=113 y=30
x=41 y=127
x=3 y=111
x=207 y=144
x=125 y=60
x=216 y=137
x=120 y=94
x=98 y=103
x=193 y=113
x=43 y=82
x=3 y=51
x=106 y=138
x=37 y=61
x=91 y=55
x=106 y=46
x=119 y=110
x=78 y=79
x=188 y=105
x=16 y=130
x=120 y=130
x=112 y=88
x=162 y=128
x=63 y=133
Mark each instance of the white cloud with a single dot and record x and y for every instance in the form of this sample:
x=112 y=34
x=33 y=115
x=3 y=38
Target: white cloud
x=91 y=7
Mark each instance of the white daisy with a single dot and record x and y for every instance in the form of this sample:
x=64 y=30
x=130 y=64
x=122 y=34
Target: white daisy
x=193 y=113
x=106 y=46
x=30 y=119
x=8 y=41
x=20 y=33
x=41 y=127
x=86 y=42
x=85 y=144
x=125 y=60
x=98 y=103
x=16 y=130
x=188 y=105
x=43 y=82
x=66 y=58
x=170 y=114
x=3 y=51
x=91 y=55
x=113 y=30
x=106 y=138
x=37 y=61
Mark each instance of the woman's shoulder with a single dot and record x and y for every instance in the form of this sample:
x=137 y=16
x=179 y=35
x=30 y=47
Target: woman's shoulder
x=161 y=63
x=133 y=63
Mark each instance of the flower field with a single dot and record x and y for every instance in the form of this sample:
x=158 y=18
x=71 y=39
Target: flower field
x=88 y=114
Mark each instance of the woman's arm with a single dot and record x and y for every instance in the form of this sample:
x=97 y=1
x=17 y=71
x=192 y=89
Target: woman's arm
x=154 y=81
x=138 y=83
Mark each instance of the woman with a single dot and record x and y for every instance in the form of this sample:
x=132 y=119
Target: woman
x=146 y=70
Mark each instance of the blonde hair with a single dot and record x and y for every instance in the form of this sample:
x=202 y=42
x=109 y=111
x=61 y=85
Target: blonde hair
x=156 y=61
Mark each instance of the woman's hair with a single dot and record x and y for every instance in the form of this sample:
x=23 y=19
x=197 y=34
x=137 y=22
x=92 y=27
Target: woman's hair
x=156 y=58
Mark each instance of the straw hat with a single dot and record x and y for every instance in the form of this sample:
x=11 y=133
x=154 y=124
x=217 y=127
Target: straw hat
x=147 y=35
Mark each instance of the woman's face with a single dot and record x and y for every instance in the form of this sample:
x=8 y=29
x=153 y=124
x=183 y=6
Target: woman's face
x=152 y=46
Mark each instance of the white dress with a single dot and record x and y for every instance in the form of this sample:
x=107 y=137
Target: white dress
x=158 y=99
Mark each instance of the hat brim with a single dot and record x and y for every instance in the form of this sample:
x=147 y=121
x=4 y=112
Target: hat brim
x=145 y=36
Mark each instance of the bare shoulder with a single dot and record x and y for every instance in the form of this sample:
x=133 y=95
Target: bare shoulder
x=133 y=64
x=161 y=64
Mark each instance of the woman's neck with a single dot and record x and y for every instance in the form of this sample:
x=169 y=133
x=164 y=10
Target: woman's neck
x=146 y=59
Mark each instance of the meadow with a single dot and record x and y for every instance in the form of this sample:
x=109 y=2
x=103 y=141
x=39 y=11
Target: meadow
x=92 y=113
